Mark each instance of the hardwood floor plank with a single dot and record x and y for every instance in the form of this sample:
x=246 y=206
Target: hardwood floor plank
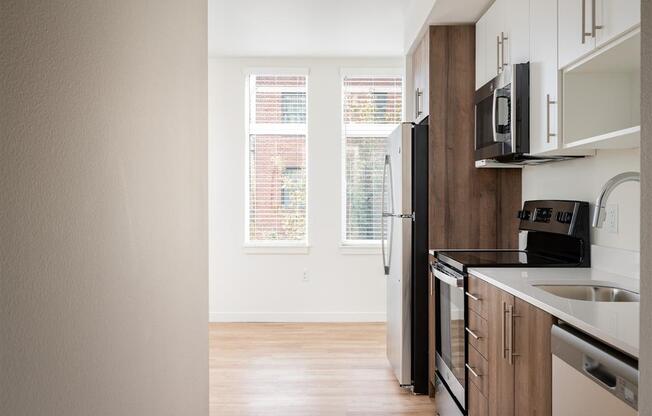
x=321 y=369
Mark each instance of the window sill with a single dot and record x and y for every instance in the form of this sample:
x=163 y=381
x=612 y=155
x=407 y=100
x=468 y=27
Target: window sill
x=276 y=249
x=360 y=249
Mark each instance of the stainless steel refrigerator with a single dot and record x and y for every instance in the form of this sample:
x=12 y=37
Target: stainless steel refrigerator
x=405 y=253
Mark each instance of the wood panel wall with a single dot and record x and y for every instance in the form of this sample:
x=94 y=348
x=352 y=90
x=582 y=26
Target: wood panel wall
x=469 y=207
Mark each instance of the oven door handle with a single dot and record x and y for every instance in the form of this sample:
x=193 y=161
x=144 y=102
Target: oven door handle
x=448 y=279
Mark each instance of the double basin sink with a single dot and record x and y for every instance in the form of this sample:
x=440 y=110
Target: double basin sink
x=590 y=292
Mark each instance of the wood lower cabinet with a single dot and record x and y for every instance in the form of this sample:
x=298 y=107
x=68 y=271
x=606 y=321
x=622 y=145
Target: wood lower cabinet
x=500 y=369
x=477 y=405
x=517 y=376
x=533 y=360
x=478 y=333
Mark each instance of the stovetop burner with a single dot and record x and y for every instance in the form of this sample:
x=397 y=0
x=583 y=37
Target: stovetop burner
x=501 y=258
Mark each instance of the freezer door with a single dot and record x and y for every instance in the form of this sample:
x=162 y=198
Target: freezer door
x=399 y=150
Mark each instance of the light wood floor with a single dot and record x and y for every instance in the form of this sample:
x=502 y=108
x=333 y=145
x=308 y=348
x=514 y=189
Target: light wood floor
x=305 y=370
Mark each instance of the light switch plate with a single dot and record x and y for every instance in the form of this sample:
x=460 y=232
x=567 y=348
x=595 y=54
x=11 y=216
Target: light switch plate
x=611 y=219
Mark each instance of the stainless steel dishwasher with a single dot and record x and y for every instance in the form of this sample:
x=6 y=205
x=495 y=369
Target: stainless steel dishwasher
x=590 y=378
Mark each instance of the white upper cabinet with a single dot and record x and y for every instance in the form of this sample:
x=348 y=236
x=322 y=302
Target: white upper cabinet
x=575 y=25
x=587 y=24
x=493 y=23
x=480 y=52
x=517 y=26
x=616 y=17
x=502 y=38
x=544 y=135
x=580 y=51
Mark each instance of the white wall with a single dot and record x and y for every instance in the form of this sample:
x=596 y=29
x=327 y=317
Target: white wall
x=582 y=180
x=645 y=404
x=103 y=208
x=257 y=287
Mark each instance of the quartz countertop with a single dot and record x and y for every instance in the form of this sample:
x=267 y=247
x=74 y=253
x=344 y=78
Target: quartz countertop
x=615 y=323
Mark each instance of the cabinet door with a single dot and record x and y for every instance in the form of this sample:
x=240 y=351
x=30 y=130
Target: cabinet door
x=478 y=405
x=517 y=28
x=500 y=371
x=420 y=74
x=493 y=28
x=481 y=52
x=543 y=76
x=533 y=360
x=616 y=17
x=570 y=30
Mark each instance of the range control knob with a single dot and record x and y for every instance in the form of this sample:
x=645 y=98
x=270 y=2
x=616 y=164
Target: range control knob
x=542 y=214
x=565 y=217
x=523 y=215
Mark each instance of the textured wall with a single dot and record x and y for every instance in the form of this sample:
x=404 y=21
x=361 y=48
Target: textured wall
x=645 y=362
x=103 y=218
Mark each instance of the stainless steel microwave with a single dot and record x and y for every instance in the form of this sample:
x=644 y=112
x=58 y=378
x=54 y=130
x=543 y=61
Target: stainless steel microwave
x=502 y=116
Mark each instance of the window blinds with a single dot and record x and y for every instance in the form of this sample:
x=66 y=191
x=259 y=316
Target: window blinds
x=277 y=159
x=372 y=108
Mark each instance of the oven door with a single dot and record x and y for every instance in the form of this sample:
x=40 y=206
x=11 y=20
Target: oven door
x=450 y=351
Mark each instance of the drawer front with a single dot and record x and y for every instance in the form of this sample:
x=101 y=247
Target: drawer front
x=477 y=295
x=477 y=327
x=480 y=366
x=477 y=402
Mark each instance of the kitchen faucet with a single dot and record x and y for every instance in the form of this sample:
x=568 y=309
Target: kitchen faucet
x=609 y=186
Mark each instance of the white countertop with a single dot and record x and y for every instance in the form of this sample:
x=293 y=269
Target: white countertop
x=615 y=323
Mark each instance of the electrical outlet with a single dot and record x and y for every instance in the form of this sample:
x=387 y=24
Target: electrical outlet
x=305 y=277
x=611 y=219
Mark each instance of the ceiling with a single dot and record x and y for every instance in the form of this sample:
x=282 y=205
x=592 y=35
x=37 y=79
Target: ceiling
x=355 y=28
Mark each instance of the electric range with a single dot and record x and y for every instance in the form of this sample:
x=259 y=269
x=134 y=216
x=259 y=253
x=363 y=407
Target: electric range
x=557 y=236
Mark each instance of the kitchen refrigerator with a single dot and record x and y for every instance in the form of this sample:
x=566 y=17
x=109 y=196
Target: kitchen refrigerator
x=405 y=253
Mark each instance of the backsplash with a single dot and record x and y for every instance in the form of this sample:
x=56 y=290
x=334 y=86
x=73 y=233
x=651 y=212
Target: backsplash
x=616 y=260
x=582 y=179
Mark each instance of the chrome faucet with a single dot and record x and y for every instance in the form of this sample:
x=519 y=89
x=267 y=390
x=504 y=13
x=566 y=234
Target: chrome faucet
x=609 y=186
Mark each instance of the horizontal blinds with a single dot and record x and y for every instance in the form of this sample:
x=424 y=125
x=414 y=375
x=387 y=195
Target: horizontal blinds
x=373 y=101
x=372 y=108
x=277 y=158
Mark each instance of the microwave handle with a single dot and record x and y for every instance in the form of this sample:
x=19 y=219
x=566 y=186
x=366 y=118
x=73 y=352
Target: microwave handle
x=494 y=104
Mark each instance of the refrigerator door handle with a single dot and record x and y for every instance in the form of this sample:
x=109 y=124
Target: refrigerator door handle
x=387 y=252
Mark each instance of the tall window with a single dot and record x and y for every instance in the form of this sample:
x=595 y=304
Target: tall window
x=372 y=108
x=276 y=177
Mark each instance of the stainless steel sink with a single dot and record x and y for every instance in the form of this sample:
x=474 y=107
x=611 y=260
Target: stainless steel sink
x=593 y=293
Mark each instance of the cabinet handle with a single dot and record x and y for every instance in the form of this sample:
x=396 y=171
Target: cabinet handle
x=473 y=334
x=512 y=315
x=499 y=65
x=548 y=133
x=472 y=371
x=477 y=299
x=594 y=26
x=503 y=38
x=417 y=102
x=502 y=330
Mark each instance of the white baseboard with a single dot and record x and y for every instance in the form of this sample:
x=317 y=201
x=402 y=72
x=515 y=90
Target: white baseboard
x=296 y=317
